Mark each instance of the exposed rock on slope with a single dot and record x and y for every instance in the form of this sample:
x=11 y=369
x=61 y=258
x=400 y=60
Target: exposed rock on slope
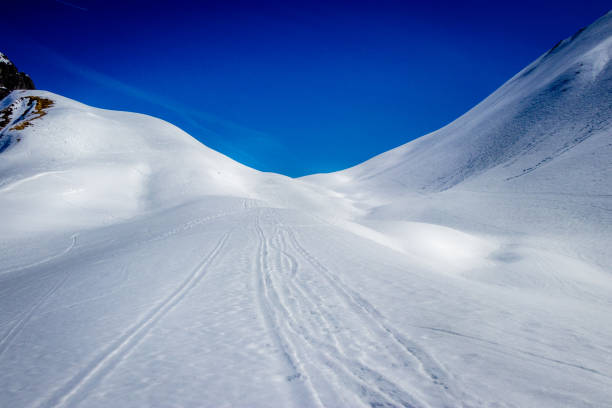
x=11 y=78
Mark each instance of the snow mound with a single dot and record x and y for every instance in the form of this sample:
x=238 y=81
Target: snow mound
x=91 y=165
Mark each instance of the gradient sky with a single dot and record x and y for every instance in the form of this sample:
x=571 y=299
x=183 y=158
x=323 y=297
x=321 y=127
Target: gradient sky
x=290 y=87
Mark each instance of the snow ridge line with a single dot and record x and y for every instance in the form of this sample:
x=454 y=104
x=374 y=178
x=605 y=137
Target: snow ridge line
x=369 y=386
x=10 y=185
x=272 y=322
x=105 y=362
x=428 y=366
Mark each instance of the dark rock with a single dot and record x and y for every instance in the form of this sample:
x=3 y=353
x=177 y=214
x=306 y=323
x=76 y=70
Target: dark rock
x=11 y=78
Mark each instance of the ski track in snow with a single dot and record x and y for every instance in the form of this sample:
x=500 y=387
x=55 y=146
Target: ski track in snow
x=302 y=313
x=501 y=348
x=372 y=317
x=14 y=331
x=315 y=334
x=43 y=261
x=269 y=309
x=75 y=390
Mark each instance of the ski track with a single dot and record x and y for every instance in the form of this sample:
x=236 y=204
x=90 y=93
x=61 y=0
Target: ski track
x=246 y=205
x=404 y=350
x=42 y=261
x=13 y=332
x=186 y=226
x=514 y=350
x=316 y=336
x=371 y=314
x=368 y=384
x=274 y=325
x=75 y=390
x=7 y=340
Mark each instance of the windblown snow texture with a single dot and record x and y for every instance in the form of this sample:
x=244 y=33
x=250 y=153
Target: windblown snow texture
x=468 y=268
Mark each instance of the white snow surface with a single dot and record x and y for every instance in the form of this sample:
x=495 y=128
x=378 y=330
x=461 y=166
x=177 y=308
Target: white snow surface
x=468 y=268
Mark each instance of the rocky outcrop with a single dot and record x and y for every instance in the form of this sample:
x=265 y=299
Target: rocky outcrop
x=11 y=78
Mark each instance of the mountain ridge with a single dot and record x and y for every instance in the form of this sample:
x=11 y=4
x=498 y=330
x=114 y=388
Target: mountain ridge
x=540 y=79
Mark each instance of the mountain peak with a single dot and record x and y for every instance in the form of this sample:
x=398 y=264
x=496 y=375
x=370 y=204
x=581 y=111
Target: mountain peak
x=11 y=78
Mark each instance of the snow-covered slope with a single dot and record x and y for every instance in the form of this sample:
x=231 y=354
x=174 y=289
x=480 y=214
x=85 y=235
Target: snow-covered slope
x=95 y=167
x=552 y=116
x=469 y=268
x=91 y=166
x=534 y=157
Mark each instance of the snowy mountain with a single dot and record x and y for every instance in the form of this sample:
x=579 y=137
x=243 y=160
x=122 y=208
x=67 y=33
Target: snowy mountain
x=96 y=167
x=468 y=268
x=533 y=157
x=515 y=138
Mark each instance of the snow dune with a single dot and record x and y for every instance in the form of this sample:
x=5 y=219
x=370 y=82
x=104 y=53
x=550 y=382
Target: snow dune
x=468 y=268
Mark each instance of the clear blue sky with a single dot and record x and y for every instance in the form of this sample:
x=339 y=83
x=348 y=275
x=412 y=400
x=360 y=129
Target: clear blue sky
x=290 y=87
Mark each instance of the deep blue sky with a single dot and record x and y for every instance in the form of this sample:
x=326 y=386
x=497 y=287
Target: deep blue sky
x=295 y=88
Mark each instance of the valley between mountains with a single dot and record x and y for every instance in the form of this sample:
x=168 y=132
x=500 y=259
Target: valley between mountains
x=467 y=268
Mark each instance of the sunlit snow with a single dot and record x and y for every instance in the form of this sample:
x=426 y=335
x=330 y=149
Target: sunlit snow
x=468 y=268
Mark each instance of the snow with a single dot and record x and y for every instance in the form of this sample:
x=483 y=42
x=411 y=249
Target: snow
x=536 y=154
x=467 y=268
x=4 y=59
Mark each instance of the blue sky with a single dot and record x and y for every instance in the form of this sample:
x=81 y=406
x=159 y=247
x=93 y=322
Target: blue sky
x=290 y=87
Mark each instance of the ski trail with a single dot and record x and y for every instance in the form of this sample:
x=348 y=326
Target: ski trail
x=368 y=386
x=321 y=357
x=7 y=340
x=307 y=334
x=501 y=348
x=186 y=226
x=400 y=347
x=76 y=388
x=14 y=331
x=43 y=261
x=369 y=383
x=270 y=316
